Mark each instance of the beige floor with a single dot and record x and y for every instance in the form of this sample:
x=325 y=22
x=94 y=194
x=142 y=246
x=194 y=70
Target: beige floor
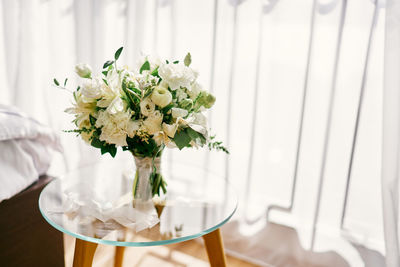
x=189 y=253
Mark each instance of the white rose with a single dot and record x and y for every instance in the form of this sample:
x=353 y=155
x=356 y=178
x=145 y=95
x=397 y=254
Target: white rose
x=153 y=122
x=83 y=70
x=161 y=96
x=170 y=129
x=177 y=75
x=179 y=112
x=147 y=107
x=92 y=88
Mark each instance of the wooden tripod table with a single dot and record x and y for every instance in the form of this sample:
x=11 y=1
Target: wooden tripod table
x=94 y=205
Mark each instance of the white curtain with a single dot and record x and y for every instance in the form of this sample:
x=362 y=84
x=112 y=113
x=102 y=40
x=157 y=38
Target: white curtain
x=293 y=80
x=391 y=134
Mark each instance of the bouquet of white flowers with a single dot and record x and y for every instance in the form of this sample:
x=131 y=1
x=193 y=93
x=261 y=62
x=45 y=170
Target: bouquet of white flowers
x=158 y=104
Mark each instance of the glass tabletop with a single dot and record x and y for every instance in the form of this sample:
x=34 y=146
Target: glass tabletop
x=197 y=202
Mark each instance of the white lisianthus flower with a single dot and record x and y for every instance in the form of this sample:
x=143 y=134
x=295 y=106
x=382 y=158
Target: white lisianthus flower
x=153 y=122
x=161 y=96
x=179 y=112
x=147 y=107
x=170 y=129
x=177 y=75
x=83 y=70
x=92 y=88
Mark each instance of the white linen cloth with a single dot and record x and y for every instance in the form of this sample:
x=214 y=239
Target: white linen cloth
x=26 y=149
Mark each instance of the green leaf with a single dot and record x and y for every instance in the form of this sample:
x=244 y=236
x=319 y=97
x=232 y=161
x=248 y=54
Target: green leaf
x=105 y=81
x=112 y=150
x=176 y=62
x=167 y=108
x=92 y=120
x=118 y=53
x=182 y=139
x=192 y=133
x=148 y=92
x=187 y=60
x=105 y=72
x=145 y=66
x=108 y=63
x=96 y=143
x=65 y=82
x=56 y=82
x=155 y=72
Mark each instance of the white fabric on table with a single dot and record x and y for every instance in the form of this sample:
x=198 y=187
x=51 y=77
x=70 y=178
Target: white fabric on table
x=26 y=149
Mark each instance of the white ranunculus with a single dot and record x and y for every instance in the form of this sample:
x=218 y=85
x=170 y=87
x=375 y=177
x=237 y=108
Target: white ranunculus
x=147 y=107
x=153 y=122
x=83 y=70
x=92 y=88
x=161 y=96
x=170 y=129
x=177 y=75
x=179 y=112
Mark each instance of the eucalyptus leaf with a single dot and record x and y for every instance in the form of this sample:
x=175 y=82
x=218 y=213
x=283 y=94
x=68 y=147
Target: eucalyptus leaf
x=56 y=82
x=145 y=66
x=108 y=63
x=65 y=81
x=187 y=60
x=118 y=53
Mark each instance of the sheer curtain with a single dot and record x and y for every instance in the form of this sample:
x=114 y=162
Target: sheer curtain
x=391 y=135
x=298 y=87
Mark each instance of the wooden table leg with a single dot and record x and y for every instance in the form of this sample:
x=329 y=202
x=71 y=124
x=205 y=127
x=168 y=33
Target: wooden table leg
x=215 y=248
x=119 y=256
x=84 y=253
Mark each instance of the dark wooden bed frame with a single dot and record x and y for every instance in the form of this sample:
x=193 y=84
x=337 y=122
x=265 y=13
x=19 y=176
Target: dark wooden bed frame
x=26 y=239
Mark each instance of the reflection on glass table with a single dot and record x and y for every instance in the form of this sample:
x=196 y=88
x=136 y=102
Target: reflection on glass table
x=197 y=204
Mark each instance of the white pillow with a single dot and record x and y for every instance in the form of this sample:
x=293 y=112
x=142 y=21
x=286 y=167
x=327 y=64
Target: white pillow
x=26 y=149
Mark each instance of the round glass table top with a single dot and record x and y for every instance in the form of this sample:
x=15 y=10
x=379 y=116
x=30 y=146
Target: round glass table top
x=93 y=204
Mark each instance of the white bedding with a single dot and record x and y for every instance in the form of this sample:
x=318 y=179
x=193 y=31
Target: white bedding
x=26 y=149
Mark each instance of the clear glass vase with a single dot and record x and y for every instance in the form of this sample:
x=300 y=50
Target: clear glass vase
x=148 y=180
